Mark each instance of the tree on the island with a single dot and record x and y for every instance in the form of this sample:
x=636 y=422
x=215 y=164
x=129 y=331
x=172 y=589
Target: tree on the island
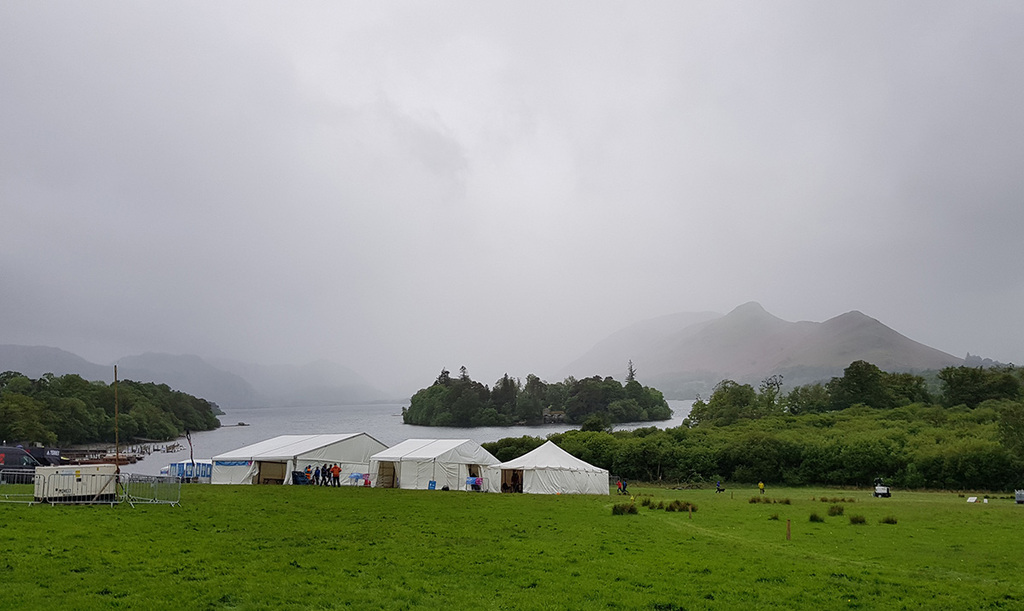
x=630 y=372
x=531 y=401
x=444 y=378
x=504 y=394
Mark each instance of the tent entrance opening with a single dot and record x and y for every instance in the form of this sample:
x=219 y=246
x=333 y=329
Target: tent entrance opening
x=272 y=472
x=386 y=475
x=511 y=480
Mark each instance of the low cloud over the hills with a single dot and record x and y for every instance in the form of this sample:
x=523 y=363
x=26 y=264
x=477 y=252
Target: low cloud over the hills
x=685 y=354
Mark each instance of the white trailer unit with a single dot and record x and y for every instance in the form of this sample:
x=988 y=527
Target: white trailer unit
x=76 y=484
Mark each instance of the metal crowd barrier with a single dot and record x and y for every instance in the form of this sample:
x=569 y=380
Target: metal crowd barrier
x=150 y=489
x=17 y=486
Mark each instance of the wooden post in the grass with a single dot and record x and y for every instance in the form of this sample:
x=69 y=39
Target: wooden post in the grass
x=689 y=508
x=787 y=531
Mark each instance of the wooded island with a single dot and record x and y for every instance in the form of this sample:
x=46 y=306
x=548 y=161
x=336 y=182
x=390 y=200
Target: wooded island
x=594 y=402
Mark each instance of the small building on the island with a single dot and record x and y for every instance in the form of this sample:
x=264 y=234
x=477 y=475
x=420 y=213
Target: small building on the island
x=548 y=470
x=272 y=461
x=551 y=416
x=424 y=464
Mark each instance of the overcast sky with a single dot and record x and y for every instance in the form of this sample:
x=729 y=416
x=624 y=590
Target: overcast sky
x=401 y=187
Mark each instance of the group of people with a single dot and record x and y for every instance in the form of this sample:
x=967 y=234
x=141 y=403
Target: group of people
x=324 y=476
x=622 y=484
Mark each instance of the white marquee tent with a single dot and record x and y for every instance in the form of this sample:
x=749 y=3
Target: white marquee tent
x=272 y=461
x=414 y=463
x=548 y=470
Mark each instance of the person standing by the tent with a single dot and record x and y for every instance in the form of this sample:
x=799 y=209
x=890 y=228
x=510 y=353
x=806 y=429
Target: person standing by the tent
x=316 y=476
x=335 y=475
x=624 y=485
x=618 y=485
x=309 y=474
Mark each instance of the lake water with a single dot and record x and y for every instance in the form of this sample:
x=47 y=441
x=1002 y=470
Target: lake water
x=383 y=422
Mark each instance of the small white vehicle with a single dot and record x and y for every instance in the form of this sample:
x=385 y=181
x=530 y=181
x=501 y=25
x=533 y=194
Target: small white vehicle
x=881 y=489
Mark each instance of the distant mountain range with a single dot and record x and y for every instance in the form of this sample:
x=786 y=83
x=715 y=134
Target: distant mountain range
x=681 y=355
x=685 y=354
x=226 y=383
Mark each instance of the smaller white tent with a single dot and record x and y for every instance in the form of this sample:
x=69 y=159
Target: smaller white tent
x=415 y=463
x=272 y=461
x=548 y=470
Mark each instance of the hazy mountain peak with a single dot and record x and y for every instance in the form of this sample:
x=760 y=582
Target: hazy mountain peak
x=749 y=344
x=851 y=320
x=750 y=307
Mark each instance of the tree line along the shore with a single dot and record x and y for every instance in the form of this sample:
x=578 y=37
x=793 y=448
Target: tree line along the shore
x=594 y=401
x=68 y=410
x=864 y=424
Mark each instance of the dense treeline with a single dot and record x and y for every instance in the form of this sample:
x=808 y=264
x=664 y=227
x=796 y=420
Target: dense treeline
x=596 y=401
x=69 y=410
x=970 y=436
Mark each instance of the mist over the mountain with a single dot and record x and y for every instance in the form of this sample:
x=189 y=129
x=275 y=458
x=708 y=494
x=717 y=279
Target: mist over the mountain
x=749 y=344
x=681 y=354
x=226 y=383
x=404 y=187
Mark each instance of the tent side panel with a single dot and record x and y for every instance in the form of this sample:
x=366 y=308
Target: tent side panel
x=233 y=472
x=559 y=481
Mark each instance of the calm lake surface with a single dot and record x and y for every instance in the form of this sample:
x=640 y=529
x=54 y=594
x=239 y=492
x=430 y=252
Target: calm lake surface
x=383 y=422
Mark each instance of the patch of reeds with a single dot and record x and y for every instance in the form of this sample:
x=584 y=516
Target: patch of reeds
x=678 y=505
x=768 y=501
x=858 y=520
x=816 y=518
x=623 y=509
x=836 y=510
x=888 y=520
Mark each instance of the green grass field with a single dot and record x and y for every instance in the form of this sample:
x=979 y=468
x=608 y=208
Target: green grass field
x=266 y=547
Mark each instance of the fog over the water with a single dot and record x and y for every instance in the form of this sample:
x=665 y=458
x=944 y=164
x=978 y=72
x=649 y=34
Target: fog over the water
x=400 y=187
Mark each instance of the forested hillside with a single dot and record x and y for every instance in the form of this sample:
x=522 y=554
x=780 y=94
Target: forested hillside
x=66 y=410
x=864 y=424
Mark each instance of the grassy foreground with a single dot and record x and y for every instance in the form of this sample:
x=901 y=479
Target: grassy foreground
x=268 y=547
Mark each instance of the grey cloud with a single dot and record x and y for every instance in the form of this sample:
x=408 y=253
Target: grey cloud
x=403 y=188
